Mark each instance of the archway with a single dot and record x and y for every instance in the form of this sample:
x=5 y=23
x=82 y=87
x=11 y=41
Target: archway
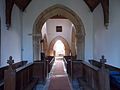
x=59 y=48
x=52 y=43
x=60 y=10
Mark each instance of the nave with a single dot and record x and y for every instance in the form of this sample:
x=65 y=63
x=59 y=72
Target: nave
x=59 y=74
x=58 y=78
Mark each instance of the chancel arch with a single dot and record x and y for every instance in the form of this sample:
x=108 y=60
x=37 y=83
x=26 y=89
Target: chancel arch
x=64 y=41
x=61 y=10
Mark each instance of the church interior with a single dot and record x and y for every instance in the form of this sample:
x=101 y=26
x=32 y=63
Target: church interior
x=59 y=45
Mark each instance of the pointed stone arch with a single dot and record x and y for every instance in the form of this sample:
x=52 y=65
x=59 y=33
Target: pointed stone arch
x=64 y=41
x=61 y=10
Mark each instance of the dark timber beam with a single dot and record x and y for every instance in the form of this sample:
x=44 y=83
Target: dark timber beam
x=22 y=4
x=92 y=4
x=8 y=11
x=105 y=6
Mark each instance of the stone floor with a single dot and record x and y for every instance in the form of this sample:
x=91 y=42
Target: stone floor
x=39 y=86
x=75 y=85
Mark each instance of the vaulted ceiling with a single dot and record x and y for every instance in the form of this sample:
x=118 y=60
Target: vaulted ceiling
x=22 y=4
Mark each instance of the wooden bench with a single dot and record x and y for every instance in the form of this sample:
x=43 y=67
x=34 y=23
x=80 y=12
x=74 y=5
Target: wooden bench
x=2 y=69
x=98 y=64
x=91 y=77
x=25 y=77
x=114 y=85
x=49 y=63
x=20 y=79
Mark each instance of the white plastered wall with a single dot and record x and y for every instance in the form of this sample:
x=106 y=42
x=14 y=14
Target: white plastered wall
x=107 y=41
x=10 y=39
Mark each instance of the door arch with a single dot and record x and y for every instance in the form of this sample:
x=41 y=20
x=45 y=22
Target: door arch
x=64 y=41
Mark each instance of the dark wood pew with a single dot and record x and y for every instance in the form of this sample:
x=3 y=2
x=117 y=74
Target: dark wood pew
x=89 y=76
x=25 y=77
x=76 y=69
x=114 y=76
x=68 y=57
x=49 y=63
x=46 y=65
x=39 y=70
x=98 y=64
x=2 y=69
x=68 y=60
x=20 y=79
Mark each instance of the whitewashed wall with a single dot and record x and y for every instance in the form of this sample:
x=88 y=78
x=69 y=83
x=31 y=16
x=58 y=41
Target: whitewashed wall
x=66 y=29
x=107 y=42
x=10 y=39
x=37 y=6
x=44 y=31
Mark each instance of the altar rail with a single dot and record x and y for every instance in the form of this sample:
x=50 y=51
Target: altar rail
x=93 y=77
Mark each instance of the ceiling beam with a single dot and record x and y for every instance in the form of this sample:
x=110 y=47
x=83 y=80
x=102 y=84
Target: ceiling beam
x=105 y=6
x=92 y=4
x=8 y=11
x=22 y=4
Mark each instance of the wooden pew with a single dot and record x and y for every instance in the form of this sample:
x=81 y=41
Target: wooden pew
x=49 y=63
x=2 y=69
x=43 y=67
x=20 y=79
x=39 y=70
x=24 y=78
x=68 y=60
x=114 y=84
x=98 y=64
x=76 y=69
x=91 y=77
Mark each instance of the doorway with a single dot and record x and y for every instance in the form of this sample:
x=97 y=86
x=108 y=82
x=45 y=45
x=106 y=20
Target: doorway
x=59 y=48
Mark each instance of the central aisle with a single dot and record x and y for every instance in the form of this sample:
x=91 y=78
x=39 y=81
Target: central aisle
x=58 y=79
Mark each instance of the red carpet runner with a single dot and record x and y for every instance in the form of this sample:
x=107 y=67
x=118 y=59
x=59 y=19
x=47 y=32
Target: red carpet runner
x=58 y=79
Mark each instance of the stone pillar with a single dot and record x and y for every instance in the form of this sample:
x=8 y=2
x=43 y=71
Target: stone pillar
x=80 y=48
x=36 y=48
